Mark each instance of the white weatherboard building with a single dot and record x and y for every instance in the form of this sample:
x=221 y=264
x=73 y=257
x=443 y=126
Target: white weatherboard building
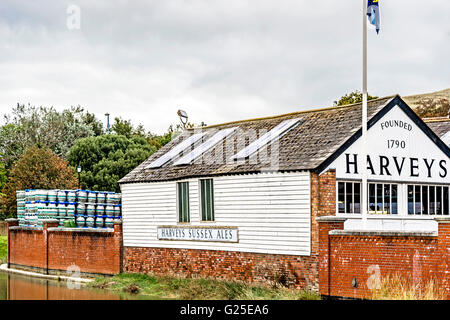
x=408 y=173
x=253 y=187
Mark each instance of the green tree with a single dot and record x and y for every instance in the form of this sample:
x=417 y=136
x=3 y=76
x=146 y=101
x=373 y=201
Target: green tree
x=122 y=127
x=45 y=127
x=91 y=120
x=38 y=168
x=352 y=97
x=106 y=159
x=3 y=175
x=11 y=146
x=126 y=128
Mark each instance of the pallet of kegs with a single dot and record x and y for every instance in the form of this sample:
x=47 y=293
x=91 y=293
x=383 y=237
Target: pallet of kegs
x=96 y=209
x=20 y=196
x=113 y=198
x=86 y=208
x=98 y=215
x=30 y=217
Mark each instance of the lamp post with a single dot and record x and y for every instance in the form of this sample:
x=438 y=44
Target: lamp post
x=79 y=172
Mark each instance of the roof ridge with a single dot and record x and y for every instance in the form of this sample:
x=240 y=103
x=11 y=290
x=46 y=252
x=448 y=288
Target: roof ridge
x=436 y=119
x=290 y=113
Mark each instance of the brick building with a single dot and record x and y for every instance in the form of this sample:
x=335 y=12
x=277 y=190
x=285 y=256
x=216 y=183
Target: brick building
x=270 y=199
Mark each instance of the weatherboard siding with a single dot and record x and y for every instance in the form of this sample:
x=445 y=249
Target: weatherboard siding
x=271 y=211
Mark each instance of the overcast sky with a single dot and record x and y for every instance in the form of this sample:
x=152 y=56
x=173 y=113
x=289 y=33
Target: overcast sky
x=218 y=60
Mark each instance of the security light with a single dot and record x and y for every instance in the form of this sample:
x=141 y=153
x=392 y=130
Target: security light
x=183 y=117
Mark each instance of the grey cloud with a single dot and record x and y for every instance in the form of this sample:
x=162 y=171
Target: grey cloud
x=219 y=60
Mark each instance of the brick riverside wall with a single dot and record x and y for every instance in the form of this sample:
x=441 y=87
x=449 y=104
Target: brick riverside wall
x=418 y=258
x=444 y=252
x=295 y=271
x=54 y=250
x=327 y=224
x=27 y=247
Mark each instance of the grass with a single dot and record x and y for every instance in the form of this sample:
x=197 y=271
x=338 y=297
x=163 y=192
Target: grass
x=165 y=287
x=3 y=249
x=395 y=287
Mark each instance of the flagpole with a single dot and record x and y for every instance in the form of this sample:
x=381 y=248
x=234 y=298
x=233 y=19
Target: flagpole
x=364 y=121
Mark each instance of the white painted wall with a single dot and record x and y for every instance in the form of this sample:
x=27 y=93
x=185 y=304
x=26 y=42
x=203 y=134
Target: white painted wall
x=271 y=210
x=416 y=145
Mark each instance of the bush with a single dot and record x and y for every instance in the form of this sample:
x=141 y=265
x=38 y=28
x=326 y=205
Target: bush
x=70 y=224
x=3 y=249
x=396 y=287
x=105 y=159
x=38 y=168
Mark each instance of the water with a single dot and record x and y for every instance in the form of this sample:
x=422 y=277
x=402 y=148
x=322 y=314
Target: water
x=19 y=287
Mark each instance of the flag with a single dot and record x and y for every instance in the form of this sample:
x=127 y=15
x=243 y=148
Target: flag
x=373 y=13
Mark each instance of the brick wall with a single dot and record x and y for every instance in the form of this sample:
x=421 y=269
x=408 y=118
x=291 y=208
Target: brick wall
x=289 y=270
x=295 y=271
x=323 y=202
x=27 y=247
x=350 y=262
x=54 y=250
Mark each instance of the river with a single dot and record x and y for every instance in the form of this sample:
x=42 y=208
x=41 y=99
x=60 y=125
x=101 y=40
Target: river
x=19 y=287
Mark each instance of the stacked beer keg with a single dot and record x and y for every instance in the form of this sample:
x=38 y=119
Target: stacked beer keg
x=96 y=210
x=86 y=208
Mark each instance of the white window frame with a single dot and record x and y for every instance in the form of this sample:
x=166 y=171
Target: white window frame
x=178 y=203
x=428 y=200
x=353 y=214
x=200 y=200
x=402 y=200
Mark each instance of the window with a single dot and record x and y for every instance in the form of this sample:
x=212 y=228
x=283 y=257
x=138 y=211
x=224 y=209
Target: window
x=207 y=199
x=349 y=197
x=382 y=197
x=204 y=147
x=175 y=151
x=183 y=201
x=428 y=200
x=267 y=138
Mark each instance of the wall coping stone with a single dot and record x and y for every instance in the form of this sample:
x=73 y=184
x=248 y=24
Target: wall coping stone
x=391 y=217
x=63 y=229
x=50 y=221
x=87 y=230
x=25 y=228
x=442 y=219
x=383 y=233
x=331 y=219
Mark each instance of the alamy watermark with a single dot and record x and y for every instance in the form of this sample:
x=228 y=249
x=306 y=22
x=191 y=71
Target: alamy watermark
x=73 y=21
x=265 y=157
x=374 y=271
x=74 y=274
x=374 y=280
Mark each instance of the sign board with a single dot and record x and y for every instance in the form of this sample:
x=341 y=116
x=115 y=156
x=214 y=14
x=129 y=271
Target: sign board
x=397 y=150
x=198 y=233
